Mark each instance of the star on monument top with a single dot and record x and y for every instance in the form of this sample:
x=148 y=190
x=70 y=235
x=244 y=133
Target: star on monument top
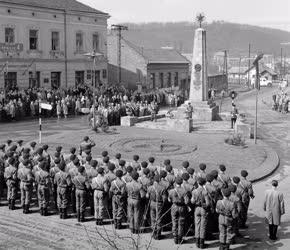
x=200 y=18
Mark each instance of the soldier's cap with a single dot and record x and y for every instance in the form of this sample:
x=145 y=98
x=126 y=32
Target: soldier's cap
x=13 y=148
x=168 y=168
x=40 y=159
x=86 y=138
x=32 y=144
x=10 y=154
x=274 y=183
x=72 y=150
x=94 y=163
x=119 y=173
x=42 y=165
x=144 y=164
x=39 y=151
x=226 y=192
x=244 y=173
x=135 y=176
x=167 y=162
x=201 y=181
x=236 y=179
x=190 y=170
x=185 y=176
x=185 y=164
x=100 y=170
x=232 y=188
x=20 y=141
x=57 y=154
x=214 y=173
x=81 y=169
x=202 y=166
x=2 y=146
x=135 y=157
x=129 y=169
x=163 y=174
x=105 y=153
x=157 y=178
x=151 y=159
x=26 y=150
x=26 y=156
x=146 y=171
x=178 y=180
x=222 y=167
x=209 y=177
x=118 y=156
x=57 y=160
x=106 y=159
x=45 y=147
x=72 y=157
x=122 y=163
x=76 y=162
x=62 y=166
x=11 y=160
x=111 y=166
x=8 y=141
x=58 y=149
x=88 y=158
x=26 y=162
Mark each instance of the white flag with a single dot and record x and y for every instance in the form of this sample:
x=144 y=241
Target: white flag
x=45 y=106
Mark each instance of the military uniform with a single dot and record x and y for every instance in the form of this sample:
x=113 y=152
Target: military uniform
x=118 y=190
x=178 y=211
x=63 y=182
x=26 y=185
x=146 y=182
x=101 y=188
x=43 y=181
x=81 y=184
x=227 y=212
x=52 y=172
x=73 y=172
x=10 y=176
x=92 y=173
x=201 y=202
x=135 y=193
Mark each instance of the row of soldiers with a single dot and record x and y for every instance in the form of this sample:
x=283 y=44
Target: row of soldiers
x=141 y=193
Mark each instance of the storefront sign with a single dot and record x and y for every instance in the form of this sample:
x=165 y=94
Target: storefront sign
x=11 y=48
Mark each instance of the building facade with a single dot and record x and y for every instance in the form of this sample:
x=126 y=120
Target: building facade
x=145 y=68
x=42 y=44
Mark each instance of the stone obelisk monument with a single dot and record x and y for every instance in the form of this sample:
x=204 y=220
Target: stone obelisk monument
x=203 y=109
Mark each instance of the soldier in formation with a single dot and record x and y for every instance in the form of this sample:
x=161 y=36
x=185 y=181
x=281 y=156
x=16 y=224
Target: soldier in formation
x=144 y=194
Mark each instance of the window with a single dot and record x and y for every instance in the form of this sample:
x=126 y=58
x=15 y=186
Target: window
x=79 y=42
x=96 y=78
x=33 y=39
x=54 y=40
x=10 y=80
x=169 y=80
x=55 y=80
x=161 y=80
x=95 y=42
x=176 y=79
x=79 y=78
x=34 y=79
x=9 y=35
x=152 y=76
x=89 y=74
x=104 y=73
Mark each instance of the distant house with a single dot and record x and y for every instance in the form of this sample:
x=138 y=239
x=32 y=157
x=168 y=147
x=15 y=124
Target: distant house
x=146 y=68
x=237 y=74
x=264 y=71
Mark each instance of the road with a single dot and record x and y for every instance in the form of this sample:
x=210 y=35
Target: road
x=35 y=232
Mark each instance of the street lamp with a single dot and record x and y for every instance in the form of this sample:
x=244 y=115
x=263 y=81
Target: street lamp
x=93 y=55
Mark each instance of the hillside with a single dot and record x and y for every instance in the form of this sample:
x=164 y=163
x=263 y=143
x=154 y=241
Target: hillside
x=220 y=36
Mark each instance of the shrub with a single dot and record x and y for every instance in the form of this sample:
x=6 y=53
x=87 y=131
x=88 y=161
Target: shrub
x=235 y=140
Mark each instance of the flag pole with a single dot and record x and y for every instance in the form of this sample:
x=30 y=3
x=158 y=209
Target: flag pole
x=39 y=121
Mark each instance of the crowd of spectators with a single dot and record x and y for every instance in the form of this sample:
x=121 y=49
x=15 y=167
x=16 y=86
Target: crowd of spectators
x=281 y=102
x=111 y=102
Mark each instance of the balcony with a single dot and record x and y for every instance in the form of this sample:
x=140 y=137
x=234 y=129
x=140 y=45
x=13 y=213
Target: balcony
x=56 y=54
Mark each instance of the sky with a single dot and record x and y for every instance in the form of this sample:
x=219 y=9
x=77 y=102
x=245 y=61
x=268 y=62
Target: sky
x=268 y=13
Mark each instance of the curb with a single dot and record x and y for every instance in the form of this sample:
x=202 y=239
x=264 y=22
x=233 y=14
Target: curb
x=272 y=161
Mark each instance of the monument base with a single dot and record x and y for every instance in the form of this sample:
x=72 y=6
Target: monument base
x=202 y=111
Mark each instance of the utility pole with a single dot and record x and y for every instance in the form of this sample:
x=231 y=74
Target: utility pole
x=119 y=28
x=249 y=65
x=226 y=65
x=281 y=68
x=240 y=70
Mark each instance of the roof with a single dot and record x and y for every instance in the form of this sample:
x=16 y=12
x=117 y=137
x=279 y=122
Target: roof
x=69 y=5
x=238 y=70
x=263 y=68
